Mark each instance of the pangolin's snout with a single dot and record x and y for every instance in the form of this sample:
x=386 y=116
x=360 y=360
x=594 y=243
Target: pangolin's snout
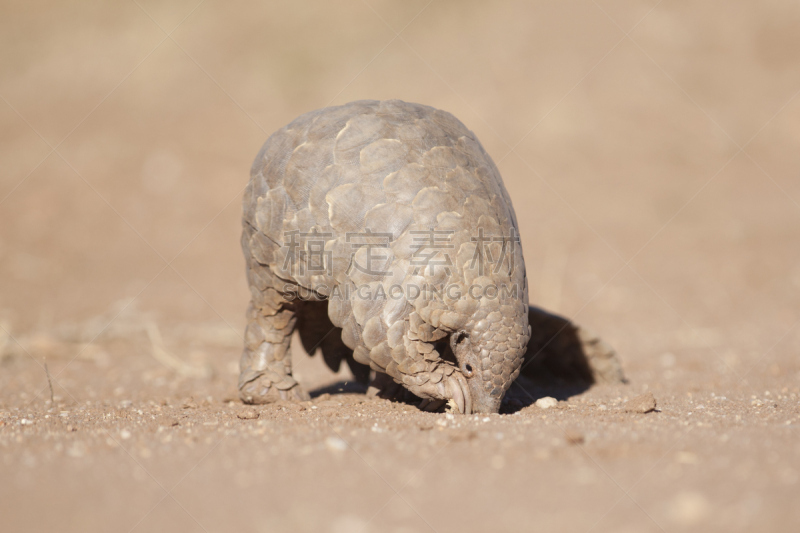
x=483 y=401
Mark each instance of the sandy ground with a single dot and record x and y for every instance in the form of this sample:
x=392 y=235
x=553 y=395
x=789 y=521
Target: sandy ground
x=651 y=150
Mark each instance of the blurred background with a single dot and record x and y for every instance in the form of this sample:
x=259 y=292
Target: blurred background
x=651 y=149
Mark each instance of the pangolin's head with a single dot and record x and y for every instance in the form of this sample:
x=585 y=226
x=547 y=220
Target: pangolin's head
x=490 y=352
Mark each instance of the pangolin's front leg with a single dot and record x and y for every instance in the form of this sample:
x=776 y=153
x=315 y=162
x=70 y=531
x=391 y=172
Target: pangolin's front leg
x=430 y=377
x=266 y=364
x=416 y=364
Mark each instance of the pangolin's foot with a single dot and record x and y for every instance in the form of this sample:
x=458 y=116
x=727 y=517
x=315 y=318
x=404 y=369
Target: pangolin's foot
x=261 y=389
x=445 y=384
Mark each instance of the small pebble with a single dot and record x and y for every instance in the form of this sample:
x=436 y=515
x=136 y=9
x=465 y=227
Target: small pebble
x=248 y=414
x=641 y=404
x=546 y=403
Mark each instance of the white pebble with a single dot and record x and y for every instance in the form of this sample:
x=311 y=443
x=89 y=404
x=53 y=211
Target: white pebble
x=546 y=403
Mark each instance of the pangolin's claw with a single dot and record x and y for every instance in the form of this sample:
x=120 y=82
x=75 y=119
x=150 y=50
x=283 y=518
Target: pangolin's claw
x=455 y=393
x=458 y=391
x=453 y=387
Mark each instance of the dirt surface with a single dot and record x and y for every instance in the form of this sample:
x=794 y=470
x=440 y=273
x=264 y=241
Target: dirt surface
x=651 y=152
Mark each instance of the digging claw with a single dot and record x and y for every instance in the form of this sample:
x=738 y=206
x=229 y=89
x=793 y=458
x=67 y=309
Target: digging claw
x=458 y=391
x=437 y=389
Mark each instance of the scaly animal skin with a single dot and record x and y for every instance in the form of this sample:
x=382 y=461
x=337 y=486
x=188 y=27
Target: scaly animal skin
x=394 y=214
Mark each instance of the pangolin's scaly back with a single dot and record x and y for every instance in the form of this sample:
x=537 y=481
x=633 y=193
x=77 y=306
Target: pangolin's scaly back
x=415 y=175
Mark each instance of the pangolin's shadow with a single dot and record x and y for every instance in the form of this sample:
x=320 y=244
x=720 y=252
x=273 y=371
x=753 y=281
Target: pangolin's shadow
x=561 y=361
x=340 y=387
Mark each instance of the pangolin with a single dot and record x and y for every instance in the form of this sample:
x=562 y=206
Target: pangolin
x=383 y=232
